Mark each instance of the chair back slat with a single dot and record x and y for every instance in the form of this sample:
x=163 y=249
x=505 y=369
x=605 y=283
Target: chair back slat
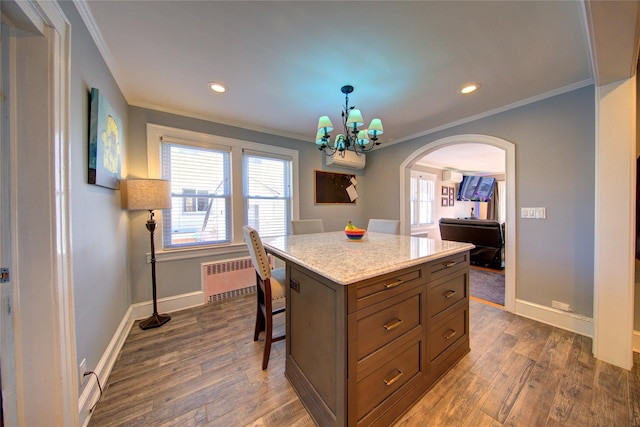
x=257 y=252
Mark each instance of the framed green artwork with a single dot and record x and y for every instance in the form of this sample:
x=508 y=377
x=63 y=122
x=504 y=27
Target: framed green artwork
x=105 y=143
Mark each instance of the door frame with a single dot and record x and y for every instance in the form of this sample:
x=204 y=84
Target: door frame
x=7 y=340
x=46 y=376
x=510 y=185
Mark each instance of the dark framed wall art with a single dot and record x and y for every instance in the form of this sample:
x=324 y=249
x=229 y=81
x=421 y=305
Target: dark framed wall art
x=331 y=187
x=105 y=143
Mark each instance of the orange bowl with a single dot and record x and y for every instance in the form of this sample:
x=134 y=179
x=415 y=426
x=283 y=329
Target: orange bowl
x=355 y=234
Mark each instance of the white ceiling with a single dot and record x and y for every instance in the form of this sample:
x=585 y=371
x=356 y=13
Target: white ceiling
x=285 y=61
x=471 y=159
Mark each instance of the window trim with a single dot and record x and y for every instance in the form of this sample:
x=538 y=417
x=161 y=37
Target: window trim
x=155 y=134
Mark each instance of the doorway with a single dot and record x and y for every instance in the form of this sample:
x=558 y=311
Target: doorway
x=36 y=150
x=510 y=214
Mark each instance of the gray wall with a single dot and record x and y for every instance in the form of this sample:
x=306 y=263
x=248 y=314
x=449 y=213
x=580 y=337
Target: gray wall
x=98 y=224
x=182 y=276
x=555 y=168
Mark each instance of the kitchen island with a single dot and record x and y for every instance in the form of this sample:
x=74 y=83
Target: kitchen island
x=371 y=325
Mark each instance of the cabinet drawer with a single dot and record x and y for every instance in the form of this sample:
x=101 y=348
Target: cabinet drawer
x=382 y=288
x=447 y=332
x=448 y=265
x=446 y=293
x=382 y=327
x=391 y=376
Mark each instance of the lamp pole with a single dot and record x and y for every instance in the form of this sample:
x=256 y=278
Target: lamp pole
x=156 y=320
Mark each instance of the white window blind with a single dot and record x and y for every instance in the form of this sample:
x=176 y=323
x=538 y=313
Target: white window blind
x=267 y=192
x=422 y=199
x=200 y=193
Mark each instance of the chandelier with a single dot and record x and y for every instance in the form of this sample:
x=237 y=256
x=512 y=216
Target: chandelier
x=352 y=138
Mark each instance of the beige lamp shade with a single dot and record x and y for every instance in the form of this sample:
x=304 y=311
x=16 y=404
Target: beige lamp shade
x=375 y=128
x=363 y=138
x=355 y=118
x=146 y=194
x=324 y=125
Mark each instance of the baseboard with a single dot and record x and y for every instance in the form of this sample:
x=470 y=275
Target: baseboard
x=569 y=321
x=91 y=392
x=636 y=341
x=143 y=310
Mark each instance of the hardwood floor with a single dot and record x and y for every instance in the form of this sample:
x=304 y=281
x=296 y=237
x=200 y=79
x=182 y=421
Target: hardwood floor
x=203 y=369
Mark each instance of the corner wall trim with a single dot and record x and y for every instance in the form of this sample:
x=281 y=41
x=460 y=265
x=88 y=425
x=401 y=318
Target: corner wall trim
x=91 y=393
x=569 y=321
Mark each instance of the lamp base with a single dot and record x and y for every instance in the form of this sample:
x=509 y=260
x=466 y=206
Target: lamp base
x=155 y=321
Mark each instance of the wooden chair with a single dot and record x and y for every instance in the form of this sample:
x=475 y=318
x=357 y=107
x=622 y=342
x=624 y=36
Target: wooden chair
x=269 y=289
x=307 y=226
x=389 y=226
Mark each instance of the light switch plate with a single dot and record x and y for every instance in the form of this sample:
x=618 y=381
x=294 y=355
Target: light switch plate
x=541 y=213
x=527 y=212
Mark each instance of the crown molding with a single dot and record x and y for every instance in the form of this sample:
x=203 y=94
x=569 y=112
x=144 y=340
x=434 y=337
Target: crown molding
x=87 y=17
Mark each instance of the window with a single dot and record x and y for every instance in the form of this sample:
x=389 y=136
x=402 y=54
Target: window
x=219 y=184
x=267 y=193
x=502 y=201
x=200 y=193
x=422 y=198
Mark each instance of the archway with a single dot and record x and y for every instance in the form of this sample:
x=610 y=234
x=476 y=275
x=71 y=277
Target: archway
x=510 y=179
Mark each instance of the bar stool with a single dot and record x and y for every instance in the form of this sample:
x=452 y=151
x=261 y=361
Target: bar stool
x=269 y=289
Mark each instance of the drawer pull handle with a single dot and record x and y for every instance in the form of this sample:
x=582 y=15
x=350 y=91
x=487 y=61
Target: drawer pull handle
x=393 y=284
x=449 y=264
x=450 y=334
x=449 y=293
x=393 y=325
x=394 y=379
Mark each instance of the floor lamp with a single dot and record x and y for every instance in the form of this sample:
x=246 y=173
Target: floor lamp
x=149 y=194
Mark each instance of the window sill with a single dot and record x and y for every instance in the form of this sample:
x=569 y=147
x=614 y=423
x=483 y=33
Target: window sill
x=179 y=254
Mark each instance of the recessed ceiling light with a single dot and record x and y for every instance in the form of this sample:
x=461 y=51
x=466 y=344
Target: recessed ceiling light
x=217 y=87
x=472 y=87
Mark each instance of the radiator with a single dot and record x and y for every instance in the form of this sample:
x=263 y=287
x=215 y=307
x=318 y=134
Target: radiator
x=228 y=278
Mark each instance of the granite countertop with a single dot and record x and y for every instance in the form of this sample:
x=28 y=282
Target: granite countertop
x=345 y=261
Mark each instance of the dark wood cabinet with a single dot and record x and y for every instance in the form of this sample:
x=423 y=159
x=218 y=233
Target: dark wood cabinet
x=363 y=354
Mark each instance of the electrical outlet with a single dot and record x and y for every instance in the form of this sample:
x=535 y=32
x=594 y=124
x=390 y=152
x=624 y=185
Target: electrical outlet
x=82 y=368
x=541 y=213
x=560 y=305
